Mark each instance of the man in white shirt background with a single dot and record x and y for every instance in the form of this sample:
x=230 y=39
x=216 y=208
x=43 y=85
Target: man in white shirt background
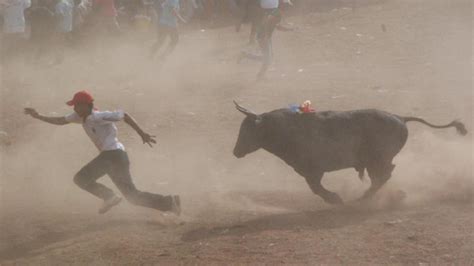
x=113 y=159
x=14 y=26
x=64 y=10
x=269 y=20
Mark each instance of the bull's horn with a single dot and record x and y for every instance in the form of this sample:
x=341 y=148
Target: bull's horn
x=244 y=110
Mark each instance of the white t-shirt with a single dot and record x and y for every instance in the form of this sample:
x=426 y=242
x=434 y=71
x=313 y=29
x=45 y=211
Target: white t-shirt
x=269 y=4
x=65 y=10
x=14 y=17
x=100 y=128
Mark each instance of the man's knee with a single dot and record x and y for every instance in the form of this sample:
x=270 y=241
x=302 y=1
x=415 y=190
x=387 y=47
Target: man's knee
x=81 y=180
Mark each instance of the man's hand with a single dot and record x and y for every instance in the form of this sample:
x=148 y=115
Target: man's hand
x=148 y=139
x=32 y=112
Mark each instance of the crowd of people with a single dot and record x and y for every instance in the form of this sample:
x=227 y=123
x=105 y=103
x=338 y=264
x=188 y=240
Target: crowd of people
x=50 y=26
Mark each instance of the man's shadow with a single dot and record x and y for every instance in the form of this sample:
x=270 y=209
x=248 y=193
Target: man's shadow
x=315 y=220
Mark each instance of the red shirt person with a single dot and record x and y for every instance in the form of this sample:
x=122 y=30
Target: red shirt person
x=105 y=14
x=106 y=8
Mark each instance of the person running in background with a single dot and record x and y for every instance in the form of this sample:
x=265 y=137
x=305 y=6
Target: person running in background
x=112 y=159
x=14 y=25
x=270 y=20
x=167 y=27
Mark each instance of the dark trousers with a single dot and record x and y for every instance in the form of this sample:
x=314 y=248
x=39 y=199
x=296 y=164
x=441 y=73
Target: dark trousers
x=116 y=165
x=265 y=56
x=268 y=22
x=165 y=32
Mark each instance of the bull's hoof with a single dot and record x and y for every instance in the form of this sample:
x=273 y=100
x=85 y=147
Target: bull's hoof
x=366 y=197
x=333 y=198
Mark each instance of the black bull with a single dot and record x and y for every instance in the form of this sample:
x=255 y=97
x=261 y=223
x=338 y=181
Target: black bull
x=315 y=143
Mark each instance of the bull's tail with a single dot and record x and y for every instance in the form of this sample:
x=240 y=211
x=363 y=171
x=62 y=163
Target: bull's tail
x=461 y=129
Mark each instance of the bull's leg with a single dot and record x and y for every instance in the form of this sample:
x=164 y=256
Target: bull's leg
x=379 y=174
x=314 y=183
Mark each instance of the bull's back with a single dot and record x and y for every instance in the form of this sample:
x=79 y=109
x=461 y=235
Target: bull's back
x=376 y=135
x=385 y=133
x=335 y=140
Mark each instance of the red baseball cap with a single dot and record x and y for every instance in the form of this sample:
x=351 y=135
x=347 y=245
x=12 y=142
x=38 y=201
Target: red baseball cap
x=81 y=97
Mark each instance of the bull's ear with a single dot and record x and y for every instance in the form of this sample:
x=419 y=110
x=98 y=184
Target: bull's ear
x=245 y=111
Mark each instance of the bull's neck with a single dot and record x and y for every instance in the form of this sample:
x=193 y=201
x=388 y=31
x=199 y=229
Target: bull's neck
x=282 y=148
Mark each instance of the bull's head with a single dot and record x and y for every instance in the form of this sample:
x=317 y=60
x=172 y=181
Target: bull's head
x=251 y=133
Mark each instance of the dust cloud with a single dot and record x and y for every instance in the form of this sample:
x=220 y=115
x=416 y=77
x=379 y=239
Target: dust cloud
x=187 y=102
x=436 y=168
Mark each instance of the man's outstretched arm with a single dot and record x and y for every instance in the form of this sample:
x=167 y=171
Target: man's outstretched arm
x=147 y=138
x=48 y=119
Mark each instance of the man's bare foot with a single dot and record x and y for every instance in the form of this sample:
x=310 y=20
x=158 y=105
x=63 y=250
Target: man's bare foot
x=176 y=205
x=109 y=204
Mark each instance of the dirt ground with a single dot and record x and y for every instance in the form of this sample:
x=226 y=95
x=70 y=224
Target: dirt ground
x=409 y=57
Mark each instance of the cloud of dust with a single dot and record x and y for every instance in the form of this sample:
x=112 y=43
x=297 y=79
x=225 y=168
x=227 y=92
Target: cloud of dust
x=434 y=168
x=430 y=169
x=184 y=101
x=174 y=99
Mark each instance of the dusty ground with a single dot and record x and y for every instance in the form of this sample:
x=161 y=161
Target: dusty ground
x=407 y=57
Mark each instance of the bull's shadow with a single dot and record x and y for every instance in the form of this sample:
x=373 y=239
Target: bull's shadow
x=313 y=220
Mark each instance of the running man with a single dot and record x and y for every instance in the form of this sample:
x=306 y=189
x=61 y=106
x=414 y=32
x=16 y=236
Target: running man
x=113 y=159
x=268 y=22
x=167 y=27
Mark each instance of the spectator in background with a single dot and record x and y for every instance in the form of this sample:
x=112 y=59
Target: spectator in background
x=142 y=21
x=188 y=9
x=105 y=16
x=14 y=26
x=167 y=27
x=81 y=10
x=64 y=12
x=250 y=14
x=128 y=10
x=102 y=26
x=157 y=9
x=43 y=23
x=81 y=16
